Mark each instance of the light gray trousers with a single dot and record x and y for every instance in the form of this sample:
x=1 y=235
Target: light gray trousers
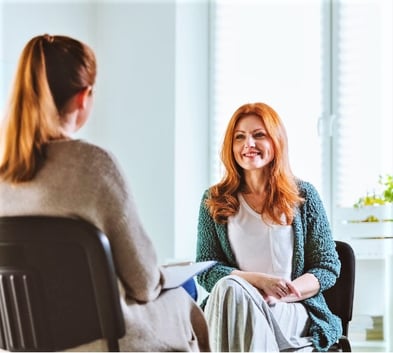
x=240 y=320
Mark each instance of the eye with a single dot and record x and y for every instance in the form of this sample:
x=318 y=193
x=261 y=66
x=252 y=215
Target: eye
x=259 y=134
x=239 y=137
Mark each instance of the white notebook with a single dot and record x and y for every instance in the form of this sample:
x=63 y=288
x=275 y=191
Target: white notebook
x=178 y=273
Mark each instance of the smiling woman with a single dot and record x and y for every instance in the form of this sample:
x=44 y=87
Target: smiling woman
x=263 y=226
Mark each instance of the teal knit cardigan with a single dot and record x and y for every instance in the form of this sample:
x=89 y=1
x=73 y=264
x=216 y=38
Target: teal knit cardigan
x=314 y=252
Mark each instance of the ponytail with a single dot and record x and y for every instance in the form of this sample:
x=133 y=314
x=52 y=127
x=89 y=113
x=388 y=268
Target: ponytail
x=33 y=117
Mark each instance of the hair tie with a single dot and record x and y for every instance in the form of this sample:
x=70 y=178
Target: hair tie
x=49 y=38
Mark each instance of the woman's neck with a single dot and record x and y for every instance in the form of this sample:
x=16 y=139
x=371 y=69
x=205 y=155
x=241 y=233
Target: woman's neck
x=255 y=182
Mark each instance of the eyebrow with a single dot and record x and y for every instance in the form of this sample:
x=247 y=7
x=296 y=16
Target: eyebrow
x=259 y=129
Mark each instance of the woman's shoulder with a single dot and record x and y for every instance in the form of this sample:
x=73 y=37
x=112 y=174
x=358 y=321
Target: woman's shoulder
x=306 y=188
x=84 y=157
x=206 y=193
x=311 y=196
x=85 y=150
x=91 y=148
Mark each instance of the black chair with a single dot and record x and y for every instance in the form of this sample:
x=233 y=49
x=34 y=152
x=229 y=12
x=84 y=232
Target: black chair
x=340 y=297
x=58 y=287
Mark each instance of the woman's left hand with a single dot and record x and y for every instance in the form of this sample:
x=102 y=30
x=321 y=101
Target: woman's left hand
x=279 y=287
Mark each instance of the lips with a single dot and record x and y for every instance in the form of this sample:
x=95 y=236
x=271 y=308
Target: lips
x=251 y=154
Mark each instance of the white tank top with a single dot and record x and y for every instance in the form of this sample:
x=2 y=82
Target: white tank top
x=258 y=246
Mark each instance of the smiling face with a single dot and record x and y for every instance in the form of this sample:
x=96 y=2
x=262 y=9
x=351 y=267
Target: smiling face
x=252 y=146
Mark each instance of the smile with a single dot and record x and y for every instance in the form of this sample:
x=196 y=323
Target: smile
x=251 y=154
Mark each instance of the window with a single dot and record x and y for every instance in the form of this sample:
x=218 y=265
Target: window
x=326 y=68
x=270 y=51
x=361 y=97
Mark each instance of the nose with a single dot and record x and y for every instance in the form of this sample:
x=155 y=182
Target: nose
x=250 y=142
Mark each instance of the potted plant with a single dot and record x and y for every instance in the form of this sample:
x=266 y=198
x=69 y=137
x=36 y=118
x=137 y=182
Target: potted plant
x=385 y=197
x=369 y=221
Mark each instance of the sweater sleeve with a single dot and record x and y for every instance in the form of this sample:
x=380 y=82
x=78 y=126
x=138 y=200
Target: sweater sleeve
x=134 y=254
x=321 y=258
x=210 y=246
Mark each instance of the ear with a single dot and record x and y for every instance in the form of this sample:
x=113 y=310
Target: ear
x=81 y=97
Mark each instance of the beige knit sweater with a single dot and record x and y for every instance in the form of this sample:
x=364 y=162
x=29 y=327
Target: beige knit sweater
x=80 y=179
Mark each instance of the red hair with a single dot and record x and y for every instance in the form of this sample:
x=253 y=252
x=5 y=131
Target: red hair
x=282 y=195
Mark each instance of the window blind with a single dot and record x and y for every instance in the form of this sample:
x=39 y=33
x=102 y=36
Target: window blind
x=363 y=105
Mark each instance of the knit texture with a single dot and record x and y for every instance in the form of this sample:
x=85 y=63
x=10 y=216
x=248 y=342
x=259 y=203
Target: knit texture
x=314 y=252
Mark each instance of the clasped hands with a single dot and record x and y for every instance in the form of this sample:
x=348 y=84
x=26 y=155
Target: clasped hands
x=274 y=289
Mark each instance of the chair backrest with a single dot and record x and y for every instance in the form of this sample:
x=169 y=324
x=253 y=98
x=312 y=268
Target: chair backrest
x=340 y=297
x=58 y=287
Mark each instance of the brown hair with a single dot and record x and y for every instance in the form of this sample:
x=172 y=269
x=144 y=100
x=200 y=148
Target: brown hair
x=51 y=69
x=282 y=192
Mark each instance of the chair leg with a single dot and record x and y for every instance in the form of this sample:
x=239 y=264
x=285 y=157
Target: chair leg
x=344 y=344
x=113 y=345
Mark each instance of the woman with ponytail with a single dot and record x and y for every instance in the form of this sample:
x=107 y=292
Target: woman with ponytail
x=269 y=233
x=44 y=171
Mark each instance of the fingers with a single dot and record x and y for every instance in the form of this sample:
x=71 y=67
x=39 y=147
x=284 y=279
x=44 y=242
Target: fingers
x=281 y=288
x=293 y=290
x=284 y=289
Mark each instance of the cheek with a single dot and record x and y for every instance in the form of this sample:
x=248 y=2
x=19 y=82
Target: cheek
x=237 y=151
x=271 y=152
x=268 y=146
x=236 y=156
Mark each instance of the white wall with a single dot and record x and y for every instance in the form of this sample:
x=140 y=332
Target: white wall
x=22 y=20
x=135 y=105
x=151 y=98
x=191 y=125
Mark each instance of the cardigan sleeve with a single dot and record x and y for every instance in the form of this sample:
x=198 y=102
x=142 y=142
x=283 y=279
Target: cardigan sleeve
x=320 y=255
x=212 y=244
x=320 y=259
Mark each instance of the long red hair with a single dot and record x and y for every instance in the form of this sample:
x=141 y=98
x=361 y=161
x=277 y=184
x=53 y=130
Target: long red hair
x=282 y=195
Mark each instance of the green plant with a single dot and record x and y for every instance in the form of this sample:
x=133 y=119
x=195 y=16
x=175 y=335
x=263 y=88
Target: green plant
x=387 y=181
x=386 y=195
